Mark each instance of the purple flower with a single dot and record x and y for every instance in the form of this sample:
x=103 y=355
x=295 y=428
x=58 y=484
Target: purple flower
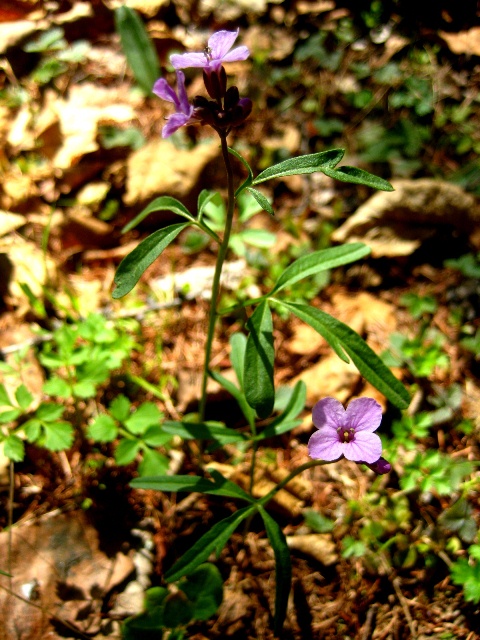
x=215 y=54
x=380 y=467
x=184 y=111
x=347 y=432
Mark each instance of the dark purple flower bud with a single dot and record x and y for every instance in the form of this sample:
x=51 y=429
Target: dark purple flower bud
x=380 y=467
x=232 y=97
x=215 y=82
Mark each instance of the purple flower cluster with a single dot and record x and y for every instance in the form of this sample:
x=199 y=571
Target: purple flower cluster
x=226 y=109
x=348 y=433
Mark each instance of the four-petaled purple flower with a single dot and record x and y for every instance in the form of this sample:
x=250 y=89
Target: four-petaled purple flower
x=347 y=432
x=215 y=54
x=184 y=111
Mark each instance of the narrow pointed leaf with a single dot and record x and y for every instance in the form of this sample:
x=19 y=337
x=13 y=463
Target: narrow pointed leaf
x=303 y=164
x=163 y=203
x=248 y=181
x=259 y=361
x=238 y=344
x=283 y=568
x=322 y=260
x=135 y=264
x=203 y=431
x=214 y=540
x=138 y=48
x=295 y=405
x=358 y=176
x=192 y=484
x=262 y=200
x=365 y=359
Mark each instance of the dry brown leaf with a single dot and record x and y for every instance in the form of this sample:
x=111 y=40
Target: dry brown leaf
x=29 y=265
x=147 y=7
x=464 y=41
x=57 y=554
x=86 y=107
x=159 y=167
x=395 y=223
x=274 y=43
x=10 y=222
x=319 y=546
x=329 y=377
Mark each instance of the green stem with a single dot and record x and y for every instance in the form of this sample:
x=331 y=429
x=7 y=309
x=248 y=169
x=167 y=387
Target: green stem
x=222 y=252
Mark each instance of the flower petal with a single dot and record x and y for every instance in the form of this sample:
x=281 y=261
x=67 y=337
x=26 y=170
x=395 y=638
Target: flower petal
x=328 y=413
x=163 y=90
x=366 y=447
x=363 y=414
x=184 y=60
x=174 y=122
x=324 y=445
x=221 y=42
x=239 y=53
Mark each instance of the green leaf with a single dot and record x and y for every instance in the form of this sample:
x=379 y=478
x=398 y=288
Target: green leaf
x=283 y=568
x=317 y=261
x=262 y=200
x=147 y=415
x=205 y=196
x=137 y=46
x=120 y=408
x=358 y=176
x=295 y=405
x=341 y=337
x=178 y=611
x=260 y=238
x=155 y=436
x=102 y=429
x=133 y=266
x=219 y=487
x=4 y=397
x=204 y=588
x=153 y=462
x=259 y=361
x=303 y=164
x=203 y=431
x=58 y=435
x=23 y=397
x=56 y=386
x=238 y=344
x=49 y=412
x=248 y=181
x=9 y=415
x=127 y=451
x=32 y=429
x=163 y=203
x=214 y=540
x=13 y=448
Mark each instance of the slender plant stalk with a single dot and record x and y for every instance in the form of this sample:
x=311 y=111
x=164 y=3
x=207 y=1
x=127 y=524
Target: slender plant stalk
x=222 y=252
x=308 y=465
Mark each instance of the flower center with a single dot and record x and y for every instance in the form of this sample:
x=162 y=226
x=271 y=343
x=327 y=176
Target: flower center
x=346 y=435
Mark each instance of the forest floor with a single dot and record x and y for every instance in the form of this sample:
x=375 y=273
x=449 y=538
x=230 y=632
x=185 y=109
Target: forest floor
x=82 y=154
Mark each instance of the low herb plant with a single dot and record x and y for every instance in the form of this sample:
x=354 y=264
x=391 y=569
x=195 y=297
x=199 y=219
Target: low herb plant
x=267 y=411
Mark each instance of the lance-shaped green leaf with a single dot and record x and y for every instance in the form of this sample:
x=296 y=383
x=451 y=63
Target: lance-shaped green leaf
x=262 y=200
x=203 y=431
x=238 y=344
x=317 y=261
x=286 y=420
x=220 y=486
x=248 y=181
x=259 y=359
x=303 y=164
x=163 y=203
x=138 y=48
x=341 y=337
x=283 y=568
x=135 y=264
x=358 y=176
x=214 y=540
